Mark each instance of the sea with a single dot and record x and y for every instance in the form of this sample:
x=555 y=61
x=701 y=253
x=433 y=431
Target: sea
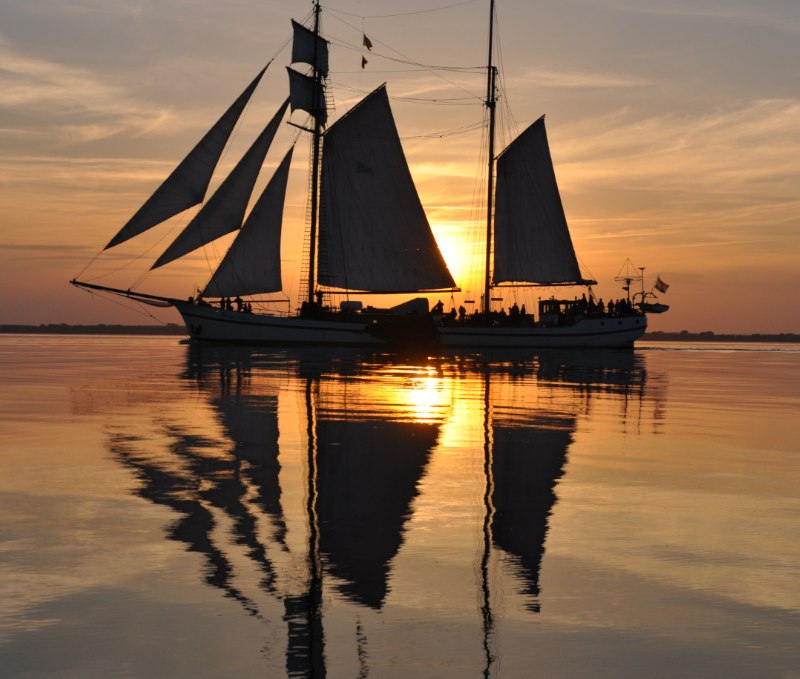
x=175 y=510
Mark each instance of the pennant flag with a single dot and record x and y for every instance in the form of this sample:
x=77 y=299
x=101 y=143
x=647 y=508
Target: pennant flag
x=660 y=285
x=364 y=62
x=367 y=42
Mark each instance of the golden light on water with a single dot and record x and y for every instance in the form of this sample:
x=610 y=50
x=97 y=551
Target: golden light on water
x=413 y=393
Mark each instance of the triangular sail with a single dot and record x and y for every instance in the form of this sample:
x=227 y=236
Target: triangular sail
x=187 y=184
x=224 y=212
x=252 y=265
x=374 y=235
x=531 y=238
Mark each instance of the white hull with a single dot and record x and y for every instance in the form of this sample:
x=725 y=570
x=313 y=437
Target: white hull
x=590 y=333
x=216 y=325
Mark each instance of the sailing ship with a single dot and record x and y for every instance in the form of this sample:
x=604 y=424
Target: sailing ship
x=528 y=244
x=368 y=232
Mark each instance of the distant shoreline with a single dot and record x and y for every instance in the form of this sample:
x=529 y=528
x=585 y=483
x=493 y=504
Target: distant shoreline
x=101 y=329
x=176 y=329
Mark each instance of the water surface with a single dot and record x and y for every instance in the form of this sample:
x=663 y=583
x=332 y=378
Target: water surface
x=169 y=510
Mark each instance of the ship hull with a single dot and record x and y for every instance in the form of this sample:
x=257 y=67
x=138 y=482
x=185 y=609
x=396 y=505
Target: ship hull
x=590 y=333
x=211 y=324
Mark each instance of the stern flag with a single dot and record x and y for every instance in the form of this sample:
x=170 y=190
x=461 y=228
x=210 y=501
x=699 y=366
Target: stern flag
x=367 y=42
x=660 y=285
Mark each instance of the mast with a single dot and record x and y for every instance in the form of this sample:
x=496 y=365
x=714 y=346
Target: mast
x=491 y=101
x=317 y=140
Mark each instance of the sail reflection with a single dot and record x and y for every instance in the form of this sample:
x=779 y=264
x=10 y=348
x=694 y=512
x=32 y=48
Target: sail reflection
x=310 y=472
x=526 y=463
x=369 y=471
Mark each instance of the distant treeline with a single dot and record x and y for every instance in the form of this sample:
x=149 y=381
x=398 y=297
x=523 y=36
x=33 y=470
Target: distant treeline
x=176 y=329
x=709 y=336
x=102 y=329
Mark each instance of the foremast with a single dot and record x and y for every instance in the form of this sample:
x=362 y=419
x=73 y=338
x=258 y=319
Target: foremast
x=491 y=104
x=315 y=165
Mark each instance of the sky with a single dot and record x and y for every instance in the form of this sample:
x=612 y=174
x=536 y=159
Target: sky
x=674 y=127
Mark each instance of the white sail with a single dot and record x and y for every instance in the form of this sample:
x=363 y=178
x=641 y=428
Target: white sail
x=309 y=48
x=531 y=238
x=374 y=235
x=187 y=184
x=224 y=212
x=252 y=265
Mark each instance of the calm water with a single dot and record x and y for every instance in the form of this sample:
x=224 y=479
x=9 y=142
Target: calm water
x=169 y=511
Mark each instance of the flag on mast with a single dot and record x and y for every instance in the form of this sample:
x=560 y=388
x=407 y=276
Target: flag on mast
x=660 y=285
x=367 y=42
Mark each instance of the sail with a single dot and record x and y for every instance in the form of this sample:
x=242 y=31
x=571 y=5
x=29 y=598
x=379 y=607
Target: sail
x=252 y=265
x=224 y=212
x=531 y=238
x=309 y=48
x=302 y=95
x=187 y=184
x=374 y=235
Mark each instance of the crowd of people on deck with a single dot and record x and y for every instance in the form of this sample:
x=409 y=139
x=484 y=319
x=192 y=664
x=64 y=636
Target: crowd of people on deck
x=620 y=307
x=226 y=304
x=516 y=315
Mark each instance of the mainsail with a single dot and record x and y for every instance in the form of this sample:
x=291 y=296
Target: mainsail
x=531 y=238
x=187 y=184
x=252 y=265
x=224 y=212
x=374 y=235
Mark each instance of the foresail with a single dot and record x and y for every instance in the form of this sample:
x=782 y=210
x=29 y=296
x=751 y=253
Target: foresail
x=187 y=184
x=531 y=237
x=252 y=265
x=374 y=235
x=224 y=212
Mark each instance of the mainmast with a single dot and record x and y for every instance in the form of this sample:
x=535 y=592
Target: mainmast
x=491 y=102
x=317 y=141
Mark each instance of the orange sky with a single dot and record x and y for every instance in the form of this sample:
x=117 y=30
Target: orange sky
x=674 y=128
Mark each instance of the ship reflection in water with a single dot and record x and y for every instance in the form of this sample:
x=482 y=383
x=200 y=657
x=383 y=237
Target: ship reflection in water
x=320 y=470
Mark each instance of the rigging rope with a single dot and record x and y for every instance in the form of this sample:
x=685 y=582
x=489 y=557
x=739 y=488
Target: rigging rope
x=400 y=14
x=135 y=309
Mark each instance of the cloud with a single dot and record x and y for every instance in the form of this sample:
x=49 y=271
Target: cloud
x=73 y=105
x=754 y=148
x=765 y=15
x=575 y=79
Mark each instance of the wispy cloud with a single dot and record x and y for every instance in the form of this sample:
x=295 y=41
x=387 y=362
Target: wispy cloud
x=74 y=105
x=534 y=77
x=752 y=148
x=743 y=12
